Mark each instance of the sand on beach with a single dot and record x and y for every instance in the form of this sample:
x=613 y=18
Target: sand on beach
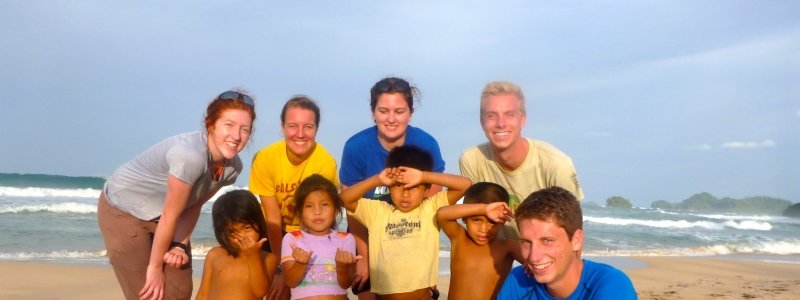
x=662 y=278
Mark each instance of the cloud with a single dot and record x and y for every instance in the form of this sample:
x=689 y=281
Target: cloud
x=749 y=145
x=703 y=147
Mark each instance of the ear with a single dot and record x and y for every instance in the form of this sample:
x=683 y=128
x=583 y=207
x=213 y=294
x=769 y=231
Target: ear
x=577 y=240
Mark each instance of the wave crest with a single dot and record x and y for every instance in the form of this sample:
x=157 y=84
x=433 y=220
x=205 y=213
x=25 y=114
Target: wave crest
x=67 y=207
x=48 y=192
x=683 y=224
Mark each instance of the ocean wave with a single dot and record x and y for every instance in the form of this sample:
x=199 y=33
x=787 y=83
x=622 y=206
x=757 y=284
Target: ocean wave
x=683 y=224
x=60 y=254
x=48 y=192
x=787 y=247
x=66 y=207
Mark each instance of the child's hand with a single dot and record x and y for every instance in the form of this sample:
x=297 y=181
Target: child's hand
x=300 y=256
x=345 y=258
x=249 y=246
x=498 y=212
x=387 y=176
x=409 y=177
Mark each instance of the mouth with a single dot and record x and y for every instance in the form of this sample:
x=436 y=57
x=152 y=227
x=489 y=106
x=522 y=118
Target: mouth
x=540 y=269
x=501 y=133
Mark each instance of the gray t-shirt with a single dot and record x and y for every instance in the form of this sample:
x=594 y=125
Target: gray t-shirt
x=139 y=187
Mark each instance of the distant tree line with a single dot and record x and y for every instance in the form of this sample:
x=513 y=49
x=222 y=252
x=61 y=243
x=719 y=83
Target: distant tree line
x=705 y=202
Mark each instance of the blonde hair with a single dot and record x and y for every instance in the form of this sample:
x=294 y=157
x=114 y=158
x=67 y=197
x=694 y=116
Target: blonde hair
x=495 y=88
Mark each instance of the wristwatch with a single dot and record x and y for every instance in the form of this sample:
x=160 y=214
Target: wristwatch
x=180 y=245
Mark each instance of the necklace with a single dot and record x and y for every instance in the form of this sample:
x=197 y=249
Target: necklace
x=216 y=172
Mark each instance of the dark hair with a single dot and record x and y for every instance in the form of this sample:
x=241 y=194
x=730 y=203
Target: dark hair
x=304 y=102
x=410 y=156
x=553 y=203
x=220 y=105
x=391 y=85
x=312 y=183
x=237 y=206
x=485 y=192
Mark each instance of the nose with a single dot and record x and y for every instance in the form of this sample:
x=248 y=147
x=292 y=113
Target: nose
x=484 y=227
x=316 y=210
x=392 y=117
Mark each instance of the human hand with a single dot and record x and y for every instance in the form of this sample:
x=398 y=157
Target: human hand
x=176 y=258
x=362 y=273
x=387 y=176
x=278 y=290
x=498 y=212
x=248 y=246
x=153 y=285
x=409 y=177
x=345 y=259
x=300 y=256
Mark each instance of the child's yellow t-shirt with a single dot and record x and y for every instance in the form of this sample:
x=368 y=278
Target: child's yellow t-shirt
x=403 y=247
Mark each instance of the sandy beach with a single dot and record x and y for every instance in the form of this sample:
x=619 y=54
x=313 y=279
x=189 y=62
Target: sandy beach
x=660 y=278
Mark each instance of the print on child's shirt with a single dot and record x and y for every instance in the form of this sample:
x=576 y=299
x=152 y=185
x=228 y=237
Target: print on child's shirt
x=322 y=271
x=403 y=227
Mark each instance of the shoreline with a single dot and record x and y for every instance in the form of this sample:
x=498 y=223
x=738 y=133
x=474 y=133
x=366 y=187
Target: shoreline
x=654 y=277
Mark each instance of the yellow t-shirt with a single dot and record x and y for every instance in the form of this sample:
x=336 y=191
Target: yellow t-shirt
x=545 y=166
x=273 y=175
x=403 y=247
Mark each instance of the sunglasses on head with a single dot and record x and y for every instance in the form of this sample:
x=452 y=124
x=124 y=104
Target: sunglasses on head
x=239 y=96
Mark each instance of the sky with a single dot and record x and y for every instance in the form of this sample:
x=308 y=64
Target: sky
x=652 y=100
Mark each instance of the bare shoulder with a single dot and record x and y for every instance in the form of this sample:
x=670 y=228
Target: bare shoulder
x=216 y=252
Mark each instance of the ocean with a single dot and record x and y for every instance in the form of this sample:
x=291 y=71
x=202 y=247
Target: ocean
x=53 y=218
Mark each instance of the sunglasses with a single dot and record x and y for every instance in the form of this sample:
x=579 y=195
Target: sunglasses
x=239 y=96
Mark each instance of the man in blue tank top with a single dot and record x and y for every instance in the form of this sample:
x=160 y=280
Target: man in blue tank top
x=550 y=224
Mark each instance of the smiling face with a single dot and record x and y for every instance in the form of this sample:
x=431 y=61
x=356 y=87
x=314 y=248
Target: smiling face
x=502 y=120
x=300 y=132
x=318 y=213
x=391 y=115
x=481 y=230
x=407 y=199
x=229 y=134
x=550 y=255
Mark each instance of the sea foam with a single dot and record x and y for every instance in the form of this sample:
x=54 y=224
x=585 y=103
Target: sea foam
x=48 y=192
x=65 y=207
x=682 y=224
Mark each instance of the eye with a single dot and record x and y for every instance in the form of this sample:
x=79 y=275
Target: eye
x=400 y=110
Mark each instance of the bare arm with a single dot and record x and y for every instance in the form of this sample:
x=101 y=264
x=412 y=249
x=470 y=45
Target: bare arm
x=294 y=270
x=174 y=205
x=351 y=194
x=361 y=235
x=272 y=213
x=456 y=185
x=345 y=268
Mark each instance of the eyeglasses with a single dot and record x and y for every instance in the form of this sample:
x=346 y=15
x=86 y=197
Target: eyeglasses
x=239 y=96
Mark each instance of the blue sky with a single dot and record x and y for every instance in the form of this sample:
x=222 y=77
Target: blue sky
x=653 y=100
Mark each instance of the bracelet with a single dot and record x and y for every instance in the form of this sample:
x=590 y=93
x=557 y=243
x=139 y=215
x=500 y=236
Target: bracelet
x=179 y=245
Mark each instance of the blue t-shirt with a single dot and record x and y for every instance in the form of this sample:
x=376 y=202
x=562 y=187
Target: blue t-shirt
x=363 y=157
x=598 y=281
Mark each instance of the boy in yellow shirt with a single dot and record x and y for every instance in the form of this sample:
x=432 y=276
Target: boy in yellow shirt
x=404 y=235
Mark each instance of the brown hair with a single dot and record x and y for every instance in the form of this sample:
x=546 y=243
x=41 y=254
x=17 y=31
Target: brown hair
x=553 y=203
